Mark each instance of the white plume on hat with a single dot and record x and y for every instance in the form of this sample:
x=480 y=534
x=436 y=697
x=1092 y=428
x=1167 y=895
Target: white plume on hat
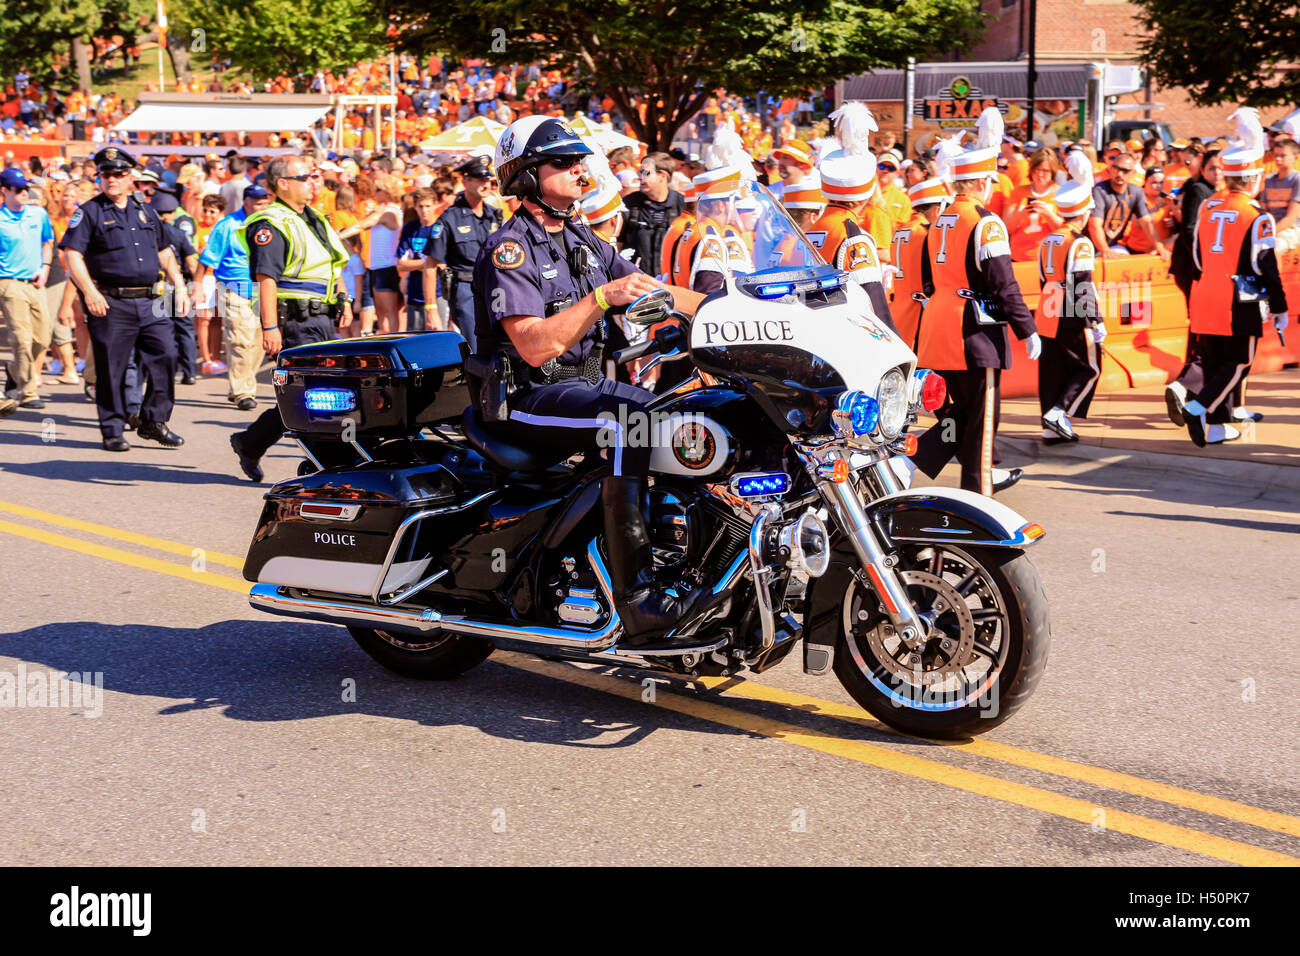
x=1079 y=168
x=728 y=150
x=1074 y=198
x=1250 y=133
x=946 y=152
x=989 y=129
x=853 y=125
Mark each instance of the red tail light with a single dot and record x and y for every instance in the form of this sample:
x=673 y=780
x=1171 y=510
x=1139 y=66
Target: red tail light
x=933 y=391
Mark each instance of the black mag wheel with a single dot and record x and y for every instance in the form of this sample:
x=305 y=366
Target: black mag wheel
x=984 y=653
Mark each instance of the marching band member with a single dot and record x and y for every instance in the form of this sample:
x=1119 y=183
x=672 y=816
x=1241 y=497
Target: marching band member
x=849 y=182
x=929 y=198
x=1068 y=318
x=973 y=296
x=1236 y=283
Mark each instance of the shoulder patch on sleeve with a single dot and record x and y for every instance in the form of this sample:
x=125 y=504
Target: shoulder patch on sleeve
x=77 y=216
x=1081 y=255
x=508 y=255
x=262 y=235
x=991 y=239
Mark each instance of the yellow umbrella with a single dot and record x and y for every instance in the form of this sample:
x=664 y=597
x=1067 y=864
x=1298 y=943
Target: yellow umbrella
x=479 y=134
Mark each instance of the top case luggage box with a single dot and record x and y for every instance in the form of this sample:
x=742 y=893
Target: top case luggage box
x=389 y=385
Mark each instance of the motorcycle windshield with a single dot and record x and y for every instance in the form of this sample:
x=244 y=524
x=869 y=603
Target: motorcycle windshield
x=760 y=239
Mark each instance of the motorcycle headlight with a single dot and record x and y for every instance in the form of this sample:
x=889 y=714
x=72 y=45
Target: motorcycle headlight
x=891 y=399
x=856 y=414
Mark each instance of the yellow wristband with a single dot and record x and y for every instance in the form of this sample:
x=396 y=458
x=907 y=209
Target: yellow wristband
x=600 y=298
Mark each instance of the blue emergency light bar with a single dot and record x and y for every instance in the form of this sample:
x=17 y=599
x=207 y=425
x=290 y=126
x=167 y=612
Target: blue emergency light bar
x=330 y=400
x=761 y=484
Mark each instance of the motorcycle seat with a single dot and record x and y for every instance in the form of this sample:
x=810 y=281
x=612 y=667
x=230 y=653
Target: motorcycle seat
x=497 y=443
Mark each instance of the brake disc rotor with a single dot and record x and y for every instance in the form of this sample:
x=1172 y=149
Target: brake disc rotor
x=951 y=644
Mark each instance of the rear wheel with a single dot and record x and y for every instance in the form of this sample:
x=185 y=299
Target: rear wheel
x=436 y=657
x=984 y=654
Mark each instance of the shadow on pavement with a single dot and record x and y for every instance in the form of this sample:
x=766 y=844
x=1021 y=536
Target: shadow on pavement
x=116 y=471
x=1280 y=527
x=276 y=671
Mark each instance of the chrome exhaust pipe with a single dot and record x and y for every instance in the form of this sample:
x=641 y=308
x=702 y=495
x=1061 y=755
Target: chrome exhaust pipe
x=276 y=599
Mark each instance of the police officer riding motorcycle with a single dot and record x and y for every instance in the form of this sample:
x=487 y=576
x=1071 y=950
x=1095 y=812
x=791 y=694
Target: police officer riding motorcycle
x=752 y=509
x=543 y=286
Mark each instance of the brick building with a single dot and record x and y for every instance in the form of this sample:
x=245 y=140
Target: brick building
x=1093 y=30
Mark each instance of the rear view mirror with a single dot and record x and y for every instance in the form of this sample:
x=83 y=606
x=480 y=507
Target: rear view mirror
x=650 y=308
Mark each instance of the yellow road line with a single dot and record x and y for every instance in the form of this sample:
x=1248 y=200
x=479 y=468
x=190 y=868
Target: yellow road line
x=1178 y=837
x=883 y=758
x=125 y=557
x=173 y=547
x=1058 y=766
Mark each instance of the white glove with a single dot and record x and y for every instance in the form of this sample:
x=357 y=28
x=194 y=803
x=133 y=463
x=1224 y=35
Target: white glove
x=1281 y=320
x=1033 y=347
x=1098 y=334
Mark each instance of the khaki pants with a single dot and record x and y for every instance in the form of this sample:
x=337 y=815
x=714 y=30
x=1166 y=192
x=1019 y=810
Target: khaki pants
x=243 y=330
x=60 y=334
x=23 y=307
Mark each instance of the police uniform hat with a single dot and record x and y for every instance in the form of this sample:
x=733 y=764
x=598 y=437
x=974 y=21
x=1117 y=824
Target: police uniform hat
x=163 y=201
x=480 y=167
x=114 y=159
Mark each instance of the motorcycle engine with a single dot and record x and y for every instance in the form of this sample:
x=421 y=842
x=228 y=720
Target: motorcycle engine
x=671 y=525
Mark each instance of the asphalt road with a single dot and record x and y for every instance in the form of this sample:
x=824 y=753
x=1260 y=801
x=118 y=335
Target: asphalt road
x=1164 y=731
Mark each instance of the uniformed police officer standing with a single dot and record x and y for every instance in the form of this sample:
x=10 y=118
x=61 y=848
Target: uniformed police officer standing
x=117 y=254
x=458 y=236
x=296 y=260
x=542 y=286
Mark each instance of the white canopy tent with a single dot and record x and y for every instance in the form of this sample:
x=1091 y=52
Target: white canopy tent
x=250 y=113
x=176 y=117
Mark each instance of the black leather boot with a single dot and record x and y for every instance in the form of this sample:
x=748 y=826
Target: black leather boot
x=646 y=610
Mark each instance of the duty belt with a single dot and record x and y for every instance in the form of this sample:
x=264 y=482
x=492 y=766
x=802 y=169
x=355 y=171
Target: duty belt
x=464 y=275
x=552 y=371
x=130 y=291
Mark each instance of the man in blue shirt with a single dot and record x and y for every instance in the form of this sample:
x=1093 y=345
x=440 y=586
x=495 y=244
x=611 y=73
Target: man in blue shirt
x=416 y=236
x=26 y=251
x=226 y=258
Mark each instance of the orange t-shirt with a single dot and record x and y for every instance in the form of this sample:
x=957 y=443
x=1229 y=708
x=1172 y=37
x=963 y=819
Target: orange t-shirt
x=1029 y=230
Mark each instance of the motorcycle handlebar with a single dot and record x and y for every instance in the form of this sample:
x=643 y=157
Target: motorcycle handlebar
x=635 y=351
x=664 y=339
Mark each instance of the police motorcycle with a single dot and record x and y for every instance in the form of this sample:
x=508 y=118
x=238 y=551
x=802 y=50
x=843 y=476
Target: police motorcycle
x=435 y=541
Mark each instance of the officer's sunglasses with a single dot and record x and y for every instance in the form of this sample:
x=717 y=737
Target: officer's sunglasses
x=564 y=162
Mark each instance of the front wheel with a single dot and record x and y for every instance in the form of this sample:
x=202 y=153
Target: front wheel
x=986 y=649
x=438 y=657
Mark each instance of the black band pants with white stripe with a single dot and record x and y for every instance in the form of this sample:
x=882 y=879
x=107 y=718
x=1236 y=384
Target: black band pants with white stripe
x=964 y=429
x=1068 y=371
x=1224 y=362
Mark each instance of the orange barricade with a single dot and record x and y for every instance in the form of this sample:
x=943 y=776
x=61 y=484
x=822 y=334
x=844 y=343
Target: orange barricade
x=1146 y=325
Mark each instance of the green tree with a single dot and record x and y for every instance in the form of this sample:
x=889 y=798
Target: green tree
x=34 y=32
x=1224 y=51
x=264 y=38
x=675 y=52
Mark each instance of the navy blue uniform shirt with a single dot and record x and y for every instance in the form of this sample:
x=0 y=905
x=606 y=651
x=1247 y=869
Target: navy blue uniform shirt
x=524 y=270
x=463 y=234
x=414 y=244
x=181 y=246
x=120 y=245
